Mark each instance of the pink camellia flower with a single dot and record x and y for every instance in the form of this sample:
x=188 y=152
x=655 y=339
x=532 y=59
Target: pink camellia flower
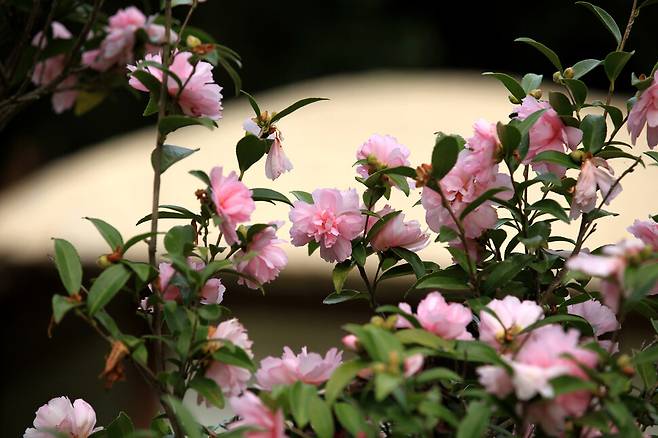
x=253 y=413
x=595 y=173
x=495 y=380
x=548 y=133
x=646 y=231
x=200 y=97
x=232 y=379
x=232 y=200
x=512 y=316
x=48 y=70
x=381 y=151
x=310 y=368
x=277 y=162
x=333 y=220
x=484 y=146
x=350 y=342
x=157 y=35
x=397 y=233
x=601 y=318
x=211 y=293
x=262 y=259
x=413 y=364
x=645 y=111
x=75 y=420
x=447 y=320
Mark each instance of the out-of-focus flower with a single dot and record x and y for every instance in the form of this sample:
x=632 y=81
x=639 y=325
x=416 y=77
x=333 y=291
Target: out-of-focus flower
x=381 y=151
x=600 y=317
x=645 y=111
x=646 y=231
x=413 y=364
x=548 y=133
x=75 y=420
x=232 y=379
x=310 y=368
x=262 y=259
x=447 y=320
x=200 y=97
x=397 y=233
x=212 y=291
x=512 y=316
x=253 y=413
x=333 y=220
x=595 y=173
x=351 y=342
x=232 y=200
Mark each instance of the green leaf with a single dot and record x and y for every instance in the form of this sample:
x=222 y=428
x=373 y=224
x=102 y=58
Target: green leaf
x=578 y=89
x=411 y=258
x=68 y=266
x=144 y=271
x=252 y=102
x=88 y=100
x=614 y=63
x=109 y=233
x=444 y=156
x=531 y=82
x=343 y=375
x=322 y=421
x=345 y=295
x=340 y=272
x=61 y=306
x=249 y=150
x=379 y=225
x=154 y=86
x=551 y=207
x=581 y=68
x=295 y=106
x=640 y=281
x=648 y=355
x=203 y=176
x=351 y=419
x=397 y=311
x=269 y=195
x=560 y=103
x=169 y=124
x=581 y=323
x=445 y=280
x=120 y=427
x=510 y=83
x=106 y=286
x=505 y=271
x=510 y=138
x=234 y=355
x=566 y=384
x=476 y=421
x=208 y=389
x=481 y=200
x=424 y=338
x=303 y=196
x=406 y=269
x=556 y=157
x=594 y=132
x=169 y=154
x=300 y=396
x=435 y=374
x=385 y=384
x=605 y=18
x=188 y=422
x=653 y=155
x=180 y=240
x=548 y=53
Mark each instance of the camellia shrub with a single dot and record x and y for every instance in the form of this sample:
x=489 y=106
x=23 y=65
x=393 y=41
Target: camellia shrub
x=519 y=336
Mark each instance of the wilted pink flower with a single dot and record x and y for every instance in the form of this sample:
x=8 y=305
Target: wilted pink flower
x=397 y=233
x=595 y=173
x=646 y=231
x=232 y=379
x=333 y=220
x=351 y=342
x=512 y=316
x=48 y=70
x=232 y=200
x=381 y=151
x=253 y=413
x=277 y=162
x=447 y=320
x=201 y=96
x=548 y=133
x=413 y=364
x=310 y=368
x=644 y=111
x=263 y=258
x=75 y=420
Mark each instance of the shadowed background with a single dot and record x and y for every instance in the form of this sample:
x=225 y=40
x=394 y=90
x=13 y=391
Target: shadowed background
x=432 y=53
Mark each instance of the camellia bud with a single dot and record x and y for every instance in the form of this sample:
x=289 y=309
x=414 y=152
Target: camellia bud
x=557 y=77
x=379 y=367
x=578 y=155
x=536 y=93
x=390 y=322
x=103 y=262
x=514 y=100
x=624 y=362
x=423 y=173
x=569 y=73
x=192 y=41
x=377 y=321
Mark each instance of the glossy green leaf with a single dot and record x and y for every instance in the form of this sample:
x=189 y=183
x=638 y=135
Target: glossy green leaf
x=249 y=150
x=68 y=266
x=510 y=83
x=188 y=422
x=444 y=156
x=556 y=157
x=169 y=124
x=299 y=397
x=209 y=390
x=411 y=258
x=295 y=106
x=341 y=377
x=581 y=323
x=614 y=64
x=352 y=419
x=303 y=196
x=551 y=207
x=200 y=174
x=253 y=103
x=180 y=240
x=106 y=286
x=340 y=273
x=61 y=306
x=345 y=295
x=605 y=18
x=531 y=82
x=169 y=155
x=445 y=280
x=109 y=233
x=486 y=196
x=263 y=194
x=476 y=421
x=594 y=132
x=560 y=103
x=505 y=271
x=322 y=421
x=581 y=68
x=548 y=53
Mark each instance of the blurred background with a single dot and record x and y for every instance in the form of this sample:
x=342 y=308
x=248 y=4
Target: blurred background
x=403 y=68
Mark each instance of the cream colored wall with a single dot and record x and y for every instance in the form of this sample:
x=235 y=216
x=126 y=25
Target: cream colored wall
x=113 y=179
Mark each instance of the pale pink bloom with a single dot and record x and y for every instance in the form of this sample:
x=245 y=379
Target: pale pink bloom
x=600 y=317
x=253 y=413
x=157 y=35
x=397 y=233
x=262 y=259
x=447 y=320
x=645 y=111
x=495 y=380
x=402 y=322
x=75 y=420
x=646 y=231
x=251 y=127
x=595 y=173
x=381 y=151
x=59 y=31
x=277 y=162
x=117 y=46
x=333 y=220
x=548 y=133
x=512 y=316
x=310 y=368
x=484 y=146
x=350 y=342
x=200 y=97
x=232 y=379
x=212 y=291
x=232 y=200
x=413 y=364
